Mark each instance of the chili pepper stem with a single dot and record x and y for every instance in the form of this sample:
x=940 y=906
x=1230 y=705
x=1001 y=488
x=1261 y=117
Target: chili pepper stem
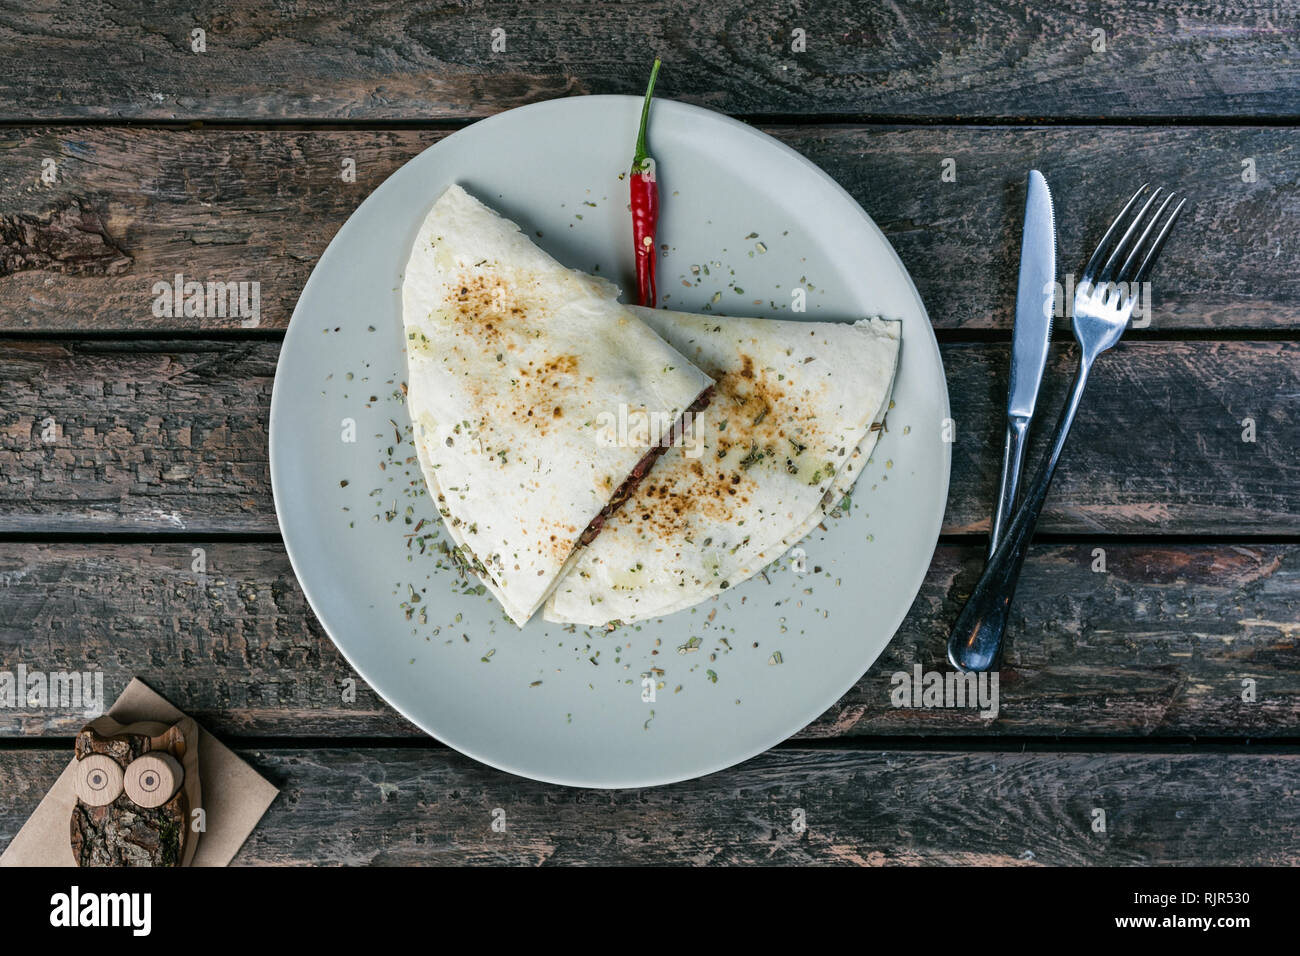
x=640 y=157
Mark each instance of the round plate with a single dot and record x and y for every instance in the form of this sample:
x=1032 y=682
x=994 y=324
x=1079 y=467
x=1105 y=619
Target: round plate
x=745 y=222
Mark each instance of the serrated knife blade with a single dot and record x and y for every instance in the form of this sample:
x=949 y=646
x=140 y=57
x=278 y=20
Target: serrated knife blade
x=1030 y=337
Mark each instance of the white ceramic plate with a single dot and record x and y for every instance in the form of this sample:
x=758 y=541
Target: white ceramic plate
x=566 y=705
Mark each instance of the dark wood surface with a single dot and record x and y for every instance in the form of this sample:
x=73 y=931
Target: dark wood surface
x=172 y=436
x=1156 y=646
x=1121 y=690
x=381 y=805
x=403 y=61
x=133 y=205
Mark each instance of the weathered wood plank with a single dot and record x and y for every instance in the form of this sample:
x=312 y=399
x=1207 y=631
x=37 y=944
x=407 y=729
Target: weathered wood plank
x=159 y=436
x=961 y=241
x=1158 y=446
x=148 y=438
x=402 y=807
x=130 y=207
x=1157 y=645
x=422 y=60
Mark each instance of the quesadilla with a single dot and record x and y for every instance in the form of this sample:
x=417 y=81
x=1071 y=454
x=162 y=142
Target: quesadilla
x=792 y=420
x=514 y=362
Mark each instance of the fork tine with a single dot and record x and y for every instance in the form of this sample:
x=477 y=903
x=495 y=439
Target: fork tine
x=1108 y=273
x=1091 y=268
x=1158 y=244
x=1125 y=275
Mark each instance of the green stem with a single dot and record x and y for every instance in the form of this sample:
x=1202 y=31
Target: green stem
x=638 y=160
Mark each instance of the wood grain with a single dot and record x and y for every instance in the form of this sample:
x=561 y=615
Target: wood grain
x=404 y=807
x=150 y=435
x=1157 y=645
x=157 y=436
x=423 y=60
x=131 y=207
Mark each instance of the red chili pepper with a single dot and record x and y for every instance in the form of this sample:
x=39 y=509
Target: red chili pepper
x=645 y=205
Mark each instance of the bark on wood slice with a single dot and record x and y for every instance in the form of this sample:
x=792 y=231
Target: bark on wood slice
x=124 y=833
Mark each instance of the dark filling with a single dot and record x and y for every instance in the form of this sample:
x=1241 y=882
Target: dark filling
x=629 y=485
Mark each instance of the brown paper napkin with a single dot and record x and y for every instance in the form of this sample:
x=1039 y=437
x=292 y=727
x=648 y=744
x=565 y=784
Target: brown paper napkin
x=235 y=796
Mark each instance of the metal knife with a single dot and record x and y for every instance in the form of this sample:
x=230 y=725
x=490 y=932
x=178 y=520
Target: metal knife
x=1035 y=297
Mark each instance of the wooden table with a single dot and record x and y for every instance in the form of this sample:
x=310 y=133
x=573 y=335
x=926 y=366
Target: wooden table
x=1121 y=690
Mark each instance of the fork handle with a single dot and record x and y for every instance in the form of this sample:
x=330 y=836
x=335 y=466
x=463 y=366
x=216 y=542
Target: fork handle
x=1013 y=463
x=976 y=638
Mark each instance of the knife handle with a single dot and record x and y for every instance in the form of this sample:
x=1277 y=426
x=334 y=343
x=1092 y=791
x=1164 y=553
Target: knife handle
x=1013 y=465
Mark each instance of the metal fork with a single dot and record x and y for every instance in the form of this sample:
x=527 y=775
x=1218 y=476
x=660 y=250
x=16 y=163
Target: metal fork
x=1103 y=305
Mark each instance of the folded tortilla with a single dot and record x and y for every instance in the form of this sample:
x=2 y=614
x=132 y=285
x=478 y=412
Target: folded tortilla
x=514 y=363
x=794 y=416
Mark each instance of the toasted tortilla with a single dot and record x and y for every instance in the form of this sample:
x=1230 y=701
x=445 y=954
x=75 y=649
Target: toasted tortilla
x=513 y=361
x=793 y=418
